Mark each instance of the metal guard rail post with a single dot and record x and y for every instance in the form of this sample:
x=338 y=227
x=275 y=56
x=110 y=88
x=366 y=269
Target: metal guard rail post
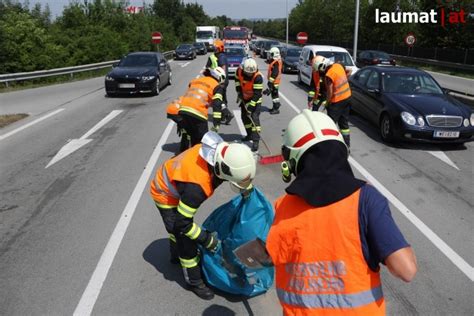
x=6 y=78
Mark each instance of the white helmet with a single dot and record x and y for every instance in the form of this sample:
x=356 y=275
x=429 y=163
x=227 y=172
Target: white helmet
x=250 y=66
x=275 y=52
x=218 y=73
x=235 y=163
x=321 y=63
x=304 y=131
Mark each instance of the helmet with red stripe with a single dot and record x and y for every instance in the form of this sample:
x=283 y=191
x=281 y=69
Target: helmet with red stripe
x=304 y=131
x=235 y=163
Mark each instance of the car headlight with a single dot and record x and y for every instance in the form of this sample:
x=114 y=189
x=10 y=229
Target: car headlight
x=109 y=78
x=466 y=122
x=472 y=119
x=147 y=78
x=408 y=118
x=421 y=121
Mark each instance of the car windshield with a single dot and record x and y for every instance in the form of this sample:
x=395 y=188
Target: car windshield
x=293 y=52
x=338 y=57
x=410 y=84
x=138 y=61
x=235 y=51
x=381 y=55
x=198 y=44
x=235 y=34
x=185 y=46
x=267 y=45
x=204 y=34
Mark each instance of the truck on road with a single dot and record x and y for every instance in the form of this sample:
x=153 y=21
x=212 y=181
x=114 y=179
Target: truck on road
x=207 y=35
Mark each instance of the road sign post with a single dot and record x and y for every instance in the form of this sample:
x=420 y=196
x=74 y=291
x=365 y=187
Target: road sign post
x=301 y=38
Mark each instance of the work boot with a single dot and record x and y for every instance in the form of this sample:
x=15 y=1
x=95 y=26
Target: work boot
x=254 y=146
x=202 y=291
x=246 y=138
x=274 y=111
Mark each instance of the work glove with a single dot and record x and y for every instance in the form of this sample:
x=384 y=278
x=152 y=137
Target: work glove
x=215 y=128
x=266 y=91
x=247 y=192
x=212 y=242
x=249 y=108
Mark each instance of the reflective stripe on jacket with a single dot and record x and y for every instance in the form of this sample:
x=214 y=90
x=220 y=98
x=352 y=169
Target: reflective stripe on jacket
x=198 y=97
x=276 y=80
x=189 y=167
x=341 y=88
x=214 y=61
x=247 y=86
x=320 y=266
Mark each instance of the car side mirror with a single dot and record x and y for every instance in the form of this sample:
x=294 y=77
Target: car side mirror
x=114 y=65
x=446 y=90
x=375 y=91
x=162 y=63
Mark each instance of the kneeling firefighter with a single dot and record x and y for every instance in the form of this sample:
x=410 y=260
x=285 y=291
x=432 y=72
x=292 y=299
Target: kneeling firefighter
x=183 y=183
x=172 y=112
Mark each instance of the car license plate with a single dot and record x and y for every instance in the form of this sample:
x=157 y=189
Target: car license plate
x=127 y=85
x=446 y=134
x=386 y=62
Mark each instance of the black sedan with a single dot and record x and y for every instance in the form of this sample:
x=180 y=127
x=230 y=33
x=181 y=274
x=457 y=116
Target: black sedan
x=200 y=48
x=140 y=72
x=290 y=59
x=374 y=57
x=408 y=104
x=185 y=51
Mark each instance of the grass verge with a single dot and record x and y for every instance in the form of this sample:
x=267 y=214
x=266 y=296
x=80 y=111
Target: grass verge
x=41 y=82
x=7 y=119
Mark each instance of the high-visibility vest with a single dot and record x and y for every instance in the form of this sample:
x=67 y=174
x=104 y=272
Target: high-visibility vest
x=189 y=167
x=173 y=108
x=198 y=97
x=247 y=85
x=214 y=61
x=341 y=88
x=270 y=68
x=319 y=263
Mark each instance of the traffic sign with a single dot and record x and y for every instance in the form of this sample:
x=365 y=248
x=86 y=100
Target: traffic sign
x=156 y=37
x=410 y=39
x=301 y=38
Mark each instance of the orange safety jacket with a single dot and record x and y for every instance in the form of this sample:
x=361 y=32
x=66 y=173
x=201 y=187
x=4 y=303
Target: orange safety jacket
x=172 y=108
x=320 y=266
x=247 y=86
x=276 y=80
x=341 y=88
x=189 y=167
x=198 y=97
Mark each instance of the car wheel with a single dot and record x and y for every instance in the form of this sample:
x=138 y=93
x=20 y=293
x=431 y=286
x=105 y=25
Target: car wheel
x=156 y=90
x=170 y=79
x=386 y=128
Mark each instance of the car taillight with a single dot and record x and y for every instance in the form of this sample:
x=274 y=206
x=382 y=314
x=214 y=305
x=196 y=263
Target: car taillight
x=393 y=62
x=375 y=60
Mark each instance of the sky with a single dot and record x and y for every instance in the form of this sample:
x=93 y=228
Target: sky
x=235 y=9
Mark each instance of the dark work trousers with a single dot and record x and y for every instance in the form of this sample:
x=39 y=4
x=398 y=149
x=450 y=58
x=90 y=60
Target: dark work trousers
x=185 y=138
x=339 y=112
x=253 y=131
x=181 y=246
x=195 y=127
x=225 y=111
x=275 y=97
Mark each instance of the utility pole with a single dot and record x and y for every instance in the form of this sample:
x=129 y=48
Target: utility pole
x=356 y=31
x=286 y=23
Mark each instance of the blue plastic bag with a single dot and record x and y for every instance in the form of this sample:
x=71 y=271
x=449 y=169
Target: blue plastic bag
x=237 y=222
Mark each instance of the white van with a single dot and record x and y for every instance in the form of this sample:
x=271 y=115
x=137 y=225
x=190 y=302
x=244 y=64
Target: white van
x=207 y=35
x=336 y=54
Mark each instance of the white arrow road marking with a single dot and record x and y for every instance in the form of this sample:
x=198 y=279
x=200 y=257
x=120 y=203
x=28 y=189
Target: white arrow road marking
x=443 y=157
x=2 y=137
x=185 y=64
x=456 y=259
x=75 y=144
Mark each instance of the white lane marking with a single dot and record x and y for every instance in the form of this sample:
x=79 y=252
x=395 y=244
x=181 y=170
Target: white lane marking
x=75 y=144
x=13 y=132
x=185 y=64
x=458 y=261
x=444 y=158
x=425 y=230
x=92 y=291
x=239 y=122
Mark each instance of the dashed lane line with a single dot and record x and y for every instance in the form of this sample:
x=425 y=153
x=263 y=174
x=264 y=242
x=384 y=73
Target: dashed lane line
x=19 y=129
x=456 y=259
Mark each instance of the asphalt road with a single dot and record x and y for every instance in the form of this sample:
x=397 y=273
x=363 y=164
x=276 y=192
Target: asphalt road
x=56 y=222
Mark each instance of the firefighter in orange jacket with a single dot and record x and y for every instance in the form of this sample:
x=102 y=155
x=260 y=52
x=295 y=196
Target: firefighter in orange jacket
x=338 y=93
x=202 y=93
x=172 y=112
x=183 y=183
x=317 y=92
x=249 y=86
x=331 y=231
x=274 y=79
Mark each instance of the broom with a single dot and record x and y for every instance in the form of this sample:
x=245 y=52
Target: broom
x=266 y=160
